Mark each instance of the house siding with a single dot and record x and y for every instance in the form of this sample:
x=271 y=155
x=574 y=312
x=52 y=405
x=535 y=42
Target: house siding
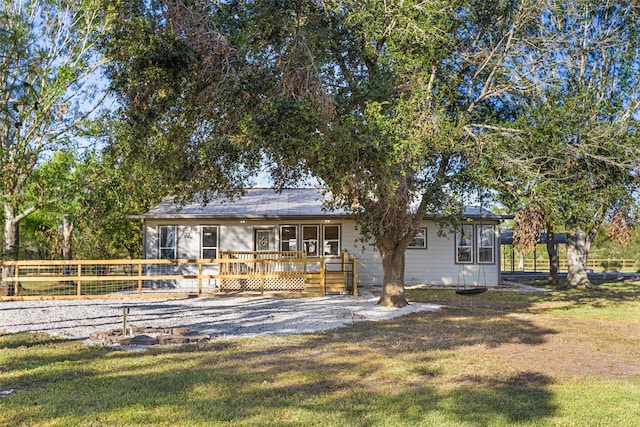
x=434 y=265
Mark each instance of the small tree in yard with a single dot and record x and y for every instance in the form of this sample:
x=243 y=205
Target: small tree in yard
x=386 y=103
x=47 y=63
x=574 y=165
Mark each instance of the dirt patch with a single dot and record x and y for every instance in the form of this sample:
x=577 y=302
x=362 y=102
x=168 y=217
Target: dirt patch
x=591 y=348
x=498 y=339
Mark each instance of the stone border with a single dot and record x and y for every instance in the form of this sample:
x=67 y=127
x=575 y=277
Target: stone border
x=150 y=336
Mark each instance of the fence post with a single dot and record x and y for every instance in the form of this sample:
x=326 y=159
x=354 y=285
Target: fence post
x=345 y=260
x=16 y=275
x=199 y=277
x=261 y=270
x=323 y=285
x=79 y=279
x=140 y=277
x=354 y=277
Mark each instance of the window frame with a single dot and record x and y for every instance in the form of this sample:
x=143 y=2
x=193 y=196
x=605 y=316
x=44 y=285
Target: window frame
x=325 y=241
x=204 y=248
x=423 y=245
x=305 y=240
x=459 y=236
x=161 y=238
x=480 y=246
x=270 y=232
x=282 y=240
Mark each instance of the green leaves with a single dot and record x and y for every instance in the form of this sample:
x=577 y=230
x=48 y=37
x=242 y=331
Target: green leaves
x=576 y=154
x=48 y=63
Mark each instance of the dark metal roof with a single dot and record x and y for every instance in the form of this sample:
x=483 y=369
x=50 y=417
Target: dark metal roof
x=263 y=203
x=506 y=237
x=254 y=204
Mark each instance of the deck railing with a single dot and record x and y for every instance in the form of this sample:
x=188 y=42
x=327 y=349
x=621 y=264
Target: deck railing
x=229 y=275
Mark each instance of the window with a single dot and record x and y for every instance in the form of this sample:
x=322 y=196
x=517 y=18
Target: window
x=263 y=240
x=331 y=242
x=419 y=240
x=310 y=240
x=209 y=242
x=486 y=239
x=288 y=238
x=464 y=244
x=167 y=242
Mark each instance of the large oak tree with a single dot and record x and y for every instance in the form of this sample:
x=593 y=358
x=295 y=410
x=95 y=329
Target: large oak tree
x=386 y=103
x=413 y=87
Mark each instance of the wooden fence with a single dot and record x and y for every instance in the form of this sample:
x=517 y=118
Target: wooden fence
x=541 y=264
x=236 y=274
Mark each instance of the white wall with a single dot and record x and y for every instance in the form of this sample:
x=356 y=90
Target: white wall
x=434 y=265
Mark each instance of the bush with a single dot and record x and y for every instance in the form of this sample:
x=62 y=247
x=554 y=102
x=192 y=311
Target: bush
x=612 y=266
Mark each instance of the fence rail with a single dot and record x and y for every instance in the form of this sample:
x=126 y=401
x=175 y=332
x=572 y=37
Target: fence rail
x=595 y=264
x=295 y=276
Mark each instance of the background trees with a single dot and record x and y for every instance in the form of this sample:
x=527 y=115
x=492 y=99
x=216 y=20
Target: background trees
x=47 y=73
x=574 y=164
x=49 y=93
x=185 y=90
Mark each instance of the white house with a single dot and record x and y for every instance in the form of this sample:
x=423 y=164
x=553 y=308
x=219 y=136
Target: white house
x=295 y=220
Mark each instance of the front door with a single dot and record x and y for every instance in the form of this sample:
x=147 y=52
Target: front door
x=263 y=239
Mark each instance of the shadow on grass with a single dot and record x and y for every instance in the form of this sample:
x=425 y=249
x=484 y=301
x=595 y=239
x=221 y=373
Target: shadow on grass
x=213 y=396
x=8 y=341
x=613 y=289
x=406 y=371
x=606 y=299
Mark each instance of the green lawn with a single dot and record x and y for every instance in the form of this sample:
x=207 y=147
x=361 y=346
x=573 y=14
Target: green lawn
x=495 y=359
x=46 y=288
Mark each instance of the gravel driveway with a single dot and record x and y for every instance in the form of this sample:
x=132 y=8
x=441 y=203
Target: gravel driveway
x=217 y=317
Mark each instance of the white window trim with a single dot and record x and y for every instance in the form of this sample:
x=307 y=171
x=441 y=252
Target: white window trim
x=480 y=247
x=175 y=241
x=317 y=239
x=281 y=240
x=458 y=235
x=325 y=240
x=424 y=244
x=203 y=247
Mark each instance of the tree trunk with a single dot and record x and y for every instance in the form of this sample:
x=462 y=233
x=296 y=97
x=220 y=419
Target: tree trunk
x=10 y=245
x=67 y=230
x=9 y=249
x=578 y=246
x=393 y=283
x=554 y=259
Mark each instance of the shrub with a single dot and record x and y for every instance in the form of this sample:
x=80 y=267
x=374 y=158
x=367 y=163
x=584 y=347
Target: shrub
x=612 y=266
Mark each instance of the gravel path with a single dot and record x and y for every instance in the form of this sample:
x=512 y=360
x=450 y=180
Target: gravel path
x=217 y=317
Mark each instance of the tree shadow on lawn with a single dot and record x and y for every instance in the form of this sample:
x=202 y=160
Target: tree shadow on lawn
x=614 y=289
x=612 y=294
x=412 y=370
x=9 y=341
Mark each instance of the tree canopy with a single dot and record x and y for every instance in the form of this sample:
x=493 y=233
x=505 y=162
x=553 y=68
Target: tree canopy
x=391 y=105
x=384 y=103
x=48 y=68
x=575 y=161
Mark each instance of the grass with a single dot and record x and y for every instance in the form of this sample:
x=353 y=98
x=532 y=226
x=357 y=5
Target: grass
x=44 y=288
x=495 y=359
